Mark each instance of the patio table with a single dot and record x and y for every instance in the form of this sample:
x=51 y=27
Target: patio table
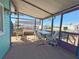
x=44 y=33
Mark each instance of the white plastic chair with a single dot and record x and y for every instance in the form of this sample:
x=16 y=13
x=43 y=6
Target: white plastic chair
x=41 y=38
x=52 y=39
x=39 y=35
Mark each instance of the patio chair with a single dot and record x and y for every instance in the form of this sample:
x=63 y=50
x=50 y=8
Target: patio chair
x=39 y=35
x=52 y=39
x=41 y=38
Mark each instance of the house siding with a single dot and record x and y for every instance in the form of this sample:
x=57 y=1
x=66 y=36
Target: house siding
x=5 y=37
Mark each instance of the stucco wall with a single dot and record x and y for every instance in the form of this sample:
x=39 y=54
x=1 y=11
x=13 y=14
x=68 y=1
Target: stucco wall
x=5 y=37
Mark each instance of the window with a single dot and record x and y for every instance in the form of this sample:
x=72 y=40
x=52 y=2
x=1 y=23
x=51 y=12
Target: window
x=71 y=27
x=71 y=21
x=47 y=24
x=1 y=17
x=56 y=24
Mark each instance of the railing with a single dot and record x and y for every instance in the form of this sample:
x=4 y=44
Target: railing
x=69 y=41
x=71 y=38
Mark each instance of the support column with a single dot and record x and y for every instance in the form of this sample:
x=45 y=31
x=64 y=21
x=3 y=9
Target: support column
x=60 y=26
x=18 y=19
x=52 y=24
x=10 y=23
x=42 y=25
x=17 y=26
x=77 y=50
x=35 y=24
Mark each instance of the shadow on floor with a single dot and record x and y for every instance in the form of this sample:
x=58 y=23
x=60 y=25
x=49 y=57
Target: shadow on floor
x=30 y=50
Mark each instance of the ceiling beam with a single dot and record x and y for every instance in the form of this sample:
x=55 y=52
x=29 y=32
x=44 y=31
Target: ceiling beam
x=22 y=18
x=36 y=7
x=26 y=15
x=16 y=10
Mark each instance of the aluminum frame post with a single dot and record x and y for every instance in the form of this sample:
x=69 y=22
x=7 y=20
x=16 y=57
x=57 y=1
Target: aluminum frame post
x=52 y=25
x=41 y=24
x=60 y=26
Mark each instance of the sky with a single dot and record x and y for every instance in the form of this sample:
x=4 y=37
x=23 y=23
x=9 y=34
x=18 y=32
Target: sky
x=69 y=18
x=21 y=16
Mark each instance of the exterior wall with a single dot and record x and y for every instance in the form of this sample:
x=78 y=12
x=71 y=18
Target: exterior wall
x=5 y=37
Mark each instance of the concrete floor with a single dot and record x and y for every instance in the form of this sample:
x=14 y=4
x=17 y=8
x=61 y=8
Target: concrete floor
x=26 y=49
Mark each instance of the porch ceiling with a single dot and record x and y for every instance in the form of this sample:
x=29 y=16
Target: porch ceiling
x=42 y=8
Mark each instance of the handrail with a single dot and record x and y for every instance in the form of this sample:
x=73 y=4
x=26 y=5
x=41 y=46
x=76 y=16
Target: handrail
x=72 y=35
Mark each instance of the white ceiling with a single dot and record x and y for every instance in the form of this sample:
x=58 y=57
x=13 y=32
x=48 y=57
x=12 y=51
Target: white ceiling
x=50 y=6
